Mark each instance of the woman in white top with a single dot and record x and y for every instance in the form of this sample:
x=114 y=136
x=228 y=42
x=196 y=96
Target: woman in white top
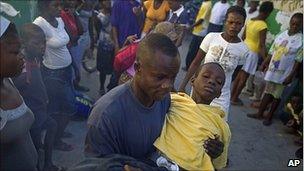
x=227 y=49
x=56 y=69
x=17 y=149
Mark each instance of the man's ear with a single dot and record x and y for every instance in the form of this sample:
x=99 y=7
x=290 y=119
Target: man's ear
x=192 y=80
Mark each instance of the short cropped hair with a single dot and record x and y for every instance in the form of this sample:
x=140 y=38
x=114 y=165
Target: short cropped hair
x=266 y=7
x=30 y=30
x=156 y=42
x=238 y=10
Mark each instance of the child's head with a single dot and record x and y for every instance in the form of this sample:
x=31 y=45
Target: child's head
x=296 y=23
x=33 y=40
x=169 y=29
x=265 y=9
x=240 y=3
x=235 y=19
x=253 y=4
x=208 y=82
x=297 y=102
x=105 y=4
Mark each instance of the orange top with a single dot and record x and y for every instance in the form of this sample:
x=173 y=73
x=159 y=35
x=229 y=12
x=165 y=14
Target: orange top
x=155 y=15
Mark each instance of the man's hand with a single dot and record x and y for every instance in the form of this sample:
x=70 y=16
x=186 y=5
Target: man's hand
x=213 y=147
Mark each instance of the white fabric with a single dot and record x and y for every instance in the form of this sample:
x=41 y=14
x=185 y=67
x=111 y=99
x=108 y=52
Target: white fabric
x=4 y=23
x=8 y=9
x=229 y=56
x=251 y=63
x=177 y=12
x=56 y=54
x=285 y=51
x=218 y=13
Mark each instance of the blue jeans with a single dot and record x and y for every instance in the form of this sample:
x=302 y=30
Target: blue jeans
x=59 y=87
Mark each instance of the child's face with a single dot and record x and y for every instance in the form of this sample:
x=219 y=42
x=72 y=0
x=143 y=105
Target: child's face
x=209 y=83
x=35 y=47
x=295 y=25
x=295 y=102
x=11 y=62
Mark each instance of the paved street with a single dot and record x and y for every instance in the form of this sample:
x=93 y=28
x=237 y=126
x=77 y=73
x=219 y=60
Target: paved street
x=253 y=146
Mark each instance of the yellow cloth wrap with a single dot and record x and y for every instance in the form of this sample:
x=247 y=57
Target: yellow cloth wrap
x=186 y=127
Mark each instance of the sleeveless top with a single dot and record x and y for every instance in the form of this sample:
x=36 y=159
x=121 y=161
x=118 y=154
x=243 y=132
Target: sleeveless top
x=17 y=149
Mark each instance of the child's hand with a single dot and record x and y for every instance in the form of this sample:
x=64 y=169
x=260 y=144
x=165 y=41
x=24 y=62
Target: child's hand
x=214 y=147
x=132 y=38
x=290 y=123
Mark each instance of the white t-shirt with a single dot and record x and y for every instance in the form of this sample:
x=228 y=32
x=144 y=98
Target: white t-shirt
x=285 y=51
x=56 y=54
x=229 y=56
x=218 y=13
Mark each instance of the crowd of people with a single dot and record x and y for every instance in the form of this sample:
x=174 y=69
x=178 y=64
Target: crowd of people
x=141 y=121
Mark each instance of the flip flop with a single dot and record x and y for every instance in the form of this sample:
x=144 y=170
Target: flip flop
x=254 y=116
x=267 y=122
x=237 y=103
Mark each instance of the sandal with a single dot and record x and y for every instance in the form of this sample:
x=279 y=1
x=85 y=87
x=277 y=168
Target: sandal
x=62 y=146
x=267 y=122
x=255 y=116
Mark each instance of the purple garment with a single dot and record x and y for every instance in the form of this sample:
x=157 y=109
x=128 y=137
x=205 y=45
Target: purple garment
x=125 y=20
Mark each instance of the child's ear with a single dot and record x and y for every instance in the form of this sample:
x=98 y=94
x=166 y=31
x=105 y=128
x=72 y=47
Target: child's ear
x=219 y=94
x=192 y=80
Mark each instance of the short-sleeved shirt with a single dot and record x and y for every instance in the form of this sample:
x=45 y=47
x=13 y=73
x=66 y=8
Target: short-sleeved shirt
x=120 y=124
x=229 y=56
x=253 y=28
x=203 y=13
x=56 y=55
x=124 y=20
x=285 y=51
x=218 y=13
x=155 y=15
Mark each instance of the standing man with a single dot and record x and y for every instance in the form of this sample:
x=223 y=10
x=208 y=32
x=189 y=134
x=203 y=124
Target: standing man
x=218 y=16
x=128 y=119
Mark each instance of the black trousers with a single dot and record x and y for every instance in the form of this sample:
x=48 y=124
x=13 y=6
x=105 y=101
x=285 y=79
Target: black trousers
x=193 y=49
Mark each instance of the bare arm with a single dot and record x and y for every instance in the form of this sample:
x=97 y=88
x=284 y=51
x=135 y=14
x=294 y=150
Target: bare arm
x=289 y=78
x=115 y=38
x=262 y=51
x=192 y=69
x=200 y=21
x=244 y=34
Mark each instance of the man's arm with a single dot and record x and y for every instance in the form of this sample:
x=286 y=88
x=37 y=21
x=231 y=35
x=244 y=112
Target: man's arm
x=100 y=140
x=192 y=69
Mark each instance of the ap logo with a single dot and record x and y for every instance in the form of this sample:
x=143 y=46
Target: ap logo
x=293 y=163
